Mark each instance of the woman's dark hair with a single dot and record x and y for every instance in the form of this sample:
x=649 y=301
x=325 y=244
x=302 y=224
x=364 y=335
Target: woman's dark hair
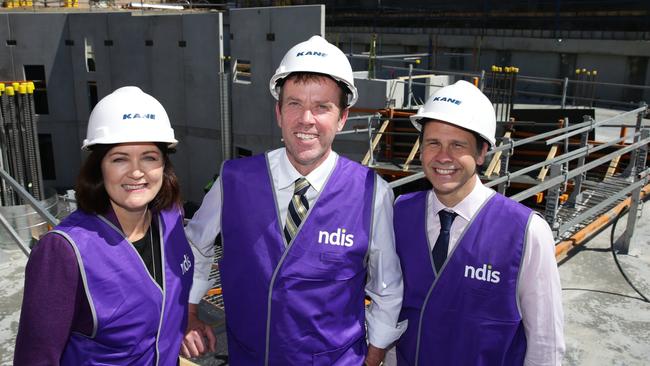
x=91 y=194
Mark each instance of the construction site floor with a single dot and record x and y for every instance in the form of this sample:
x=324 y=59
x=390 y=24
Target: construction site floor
x=606 y=323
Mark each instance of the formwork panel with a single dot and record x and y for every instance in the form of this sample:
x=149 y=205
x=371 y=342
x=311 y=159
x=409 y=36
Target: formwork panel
x=262 y=36
x=200 y=147
x=173 y=57
x=252 y=105
x=201 y=59
x=90 y=29
x=203 y=154
x=166 y=66
x=6 y=55
x=184 y=66
x=126 y=49
x=83 y=29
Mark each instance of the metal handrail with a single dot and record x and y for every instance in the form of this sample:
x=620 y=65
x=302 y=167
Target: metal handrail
x=575 y=172
x=36 y=205
x=42 y=211
x=14 y=235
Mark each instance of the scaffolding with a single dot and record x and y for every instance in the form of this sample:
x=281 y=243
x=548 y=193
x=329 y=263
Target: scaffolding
x=580 y=185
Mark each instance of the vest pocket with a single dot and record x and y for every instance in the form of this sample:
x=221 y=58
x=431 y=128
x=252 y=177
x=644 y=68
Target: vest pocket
x=351 y=354
x=497 y=306
x=326 y=266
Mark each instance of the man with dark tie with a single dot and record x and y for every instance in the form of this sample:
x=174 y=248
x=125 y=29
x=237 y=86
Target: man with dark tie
x=307 y=234
x=481 y=285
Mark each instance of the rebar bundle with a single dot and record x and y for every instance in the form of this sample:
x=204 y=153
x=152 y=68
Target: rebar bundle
x=19 y=151
x=500 y=88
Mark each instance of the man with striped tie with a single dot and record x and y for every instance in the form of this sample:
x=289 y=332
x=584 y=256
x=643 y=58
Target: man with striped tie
x=480 y=278
x=307 y=234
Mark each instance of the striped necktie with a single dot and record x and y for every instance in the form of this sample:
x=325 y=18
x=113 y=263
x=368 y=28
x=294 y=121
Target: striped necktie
x=298 y=208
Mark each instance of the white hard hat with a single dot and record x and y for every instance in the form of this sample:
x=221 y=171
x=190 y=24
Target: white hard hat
x=461 y=104
x=128 y=115
x=318 y=56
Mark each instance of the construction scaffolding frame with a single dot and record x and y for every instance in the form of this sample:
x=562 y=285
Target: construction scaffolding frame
x=575 y=193
x=502 y=84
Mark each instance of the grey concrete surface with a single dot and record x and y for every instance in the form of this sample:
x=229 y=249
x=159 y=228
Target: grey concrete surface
x=12 y=268
x=606 y=323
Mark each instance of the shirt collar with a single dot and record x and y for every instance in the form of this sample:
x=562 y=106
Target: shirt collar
x=287 y=174
x=469 y=206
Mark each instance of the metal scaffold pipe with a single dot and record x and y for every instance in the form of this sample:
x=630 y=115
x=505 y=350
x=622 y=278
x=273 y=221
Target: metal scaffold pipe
x=29 y=199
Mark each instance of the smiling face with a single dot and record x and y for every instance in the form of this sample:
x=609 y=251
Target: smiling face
x=309 y=117
x=133 y=175
x=449 y=156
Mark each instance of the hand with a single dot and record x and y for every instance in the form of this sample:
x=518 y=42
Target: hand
x=198 y=332
x=375 y=356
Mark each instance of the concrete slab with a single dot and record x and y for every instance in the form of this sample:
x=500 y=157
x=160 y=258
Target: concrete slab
x=12 y=269
x=606 y=323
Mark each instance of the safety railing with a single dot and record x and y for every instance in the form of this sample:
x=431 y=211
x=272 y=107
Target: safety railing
x=573 y=176
x=38 y=207
x=505 y=85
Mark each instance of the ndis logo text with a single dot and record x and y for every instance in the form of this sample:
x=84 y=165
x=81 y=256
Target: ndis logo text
x=485 y=273
x=339 y=237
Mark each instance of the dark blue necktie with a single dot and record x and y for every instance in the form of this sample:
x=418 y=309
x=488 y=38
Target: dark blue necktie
x=441 y=247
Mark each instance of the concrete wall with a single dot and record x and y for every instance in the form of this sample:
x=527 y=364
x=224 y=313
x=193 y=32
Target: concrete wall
x=36 y=47
x=262 y=36
x=179 y=66
x=178 y=57
x=611 y=69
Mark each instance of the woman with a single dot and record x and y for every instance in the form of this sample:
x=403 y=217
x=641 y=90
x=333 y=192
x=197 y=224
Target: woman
x=110 y=284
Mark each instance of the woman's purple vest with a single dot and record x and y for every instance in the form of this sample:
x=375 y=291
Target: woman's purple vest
x=469 y=315
x=301 y=304
x=135 y=321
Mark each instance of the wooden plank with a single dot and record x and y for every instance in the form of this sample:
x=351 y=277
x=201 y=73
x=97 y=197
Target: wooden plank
x=612 y=167
x=414 y=150
x=375 y=140
x=495 y=163
x=544 y=171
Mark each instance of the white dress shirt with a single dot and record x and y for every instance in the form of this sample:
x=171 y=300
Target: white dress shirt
x=384 y=285
x=539 y=290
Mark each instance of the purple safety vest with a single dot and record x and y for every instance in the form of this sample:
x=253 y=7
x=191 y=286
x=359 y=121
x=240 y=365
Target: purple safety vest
x=135 y=322
x=301 y=303
x=469 y=315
